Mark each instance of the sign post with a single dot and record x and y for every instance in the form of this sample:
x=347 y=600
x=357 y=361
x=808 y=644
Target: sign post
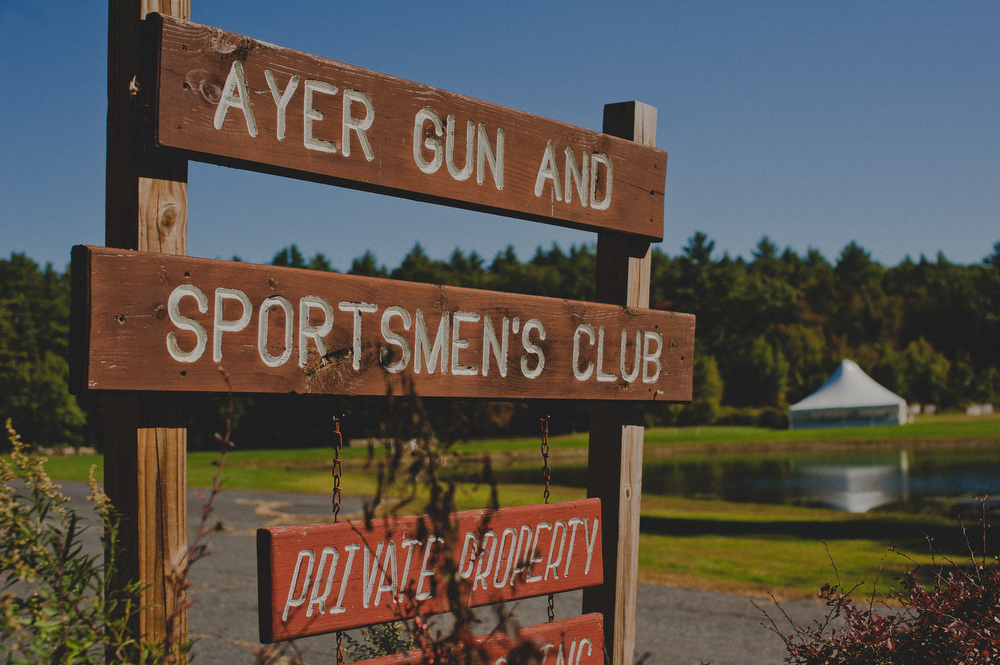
x=616 y=429
x=145 y=472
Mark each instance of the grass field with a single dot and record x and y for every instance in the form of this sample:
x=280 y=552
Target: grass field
x=738 y=548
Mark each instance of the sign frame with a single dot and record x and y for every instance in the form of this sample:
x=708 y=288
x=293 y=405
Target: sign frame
x=145 y=440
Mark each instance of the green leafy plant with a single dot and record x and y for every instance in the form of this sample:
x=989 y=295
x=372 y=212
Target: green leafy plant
x=58 y=603
x=383 y=640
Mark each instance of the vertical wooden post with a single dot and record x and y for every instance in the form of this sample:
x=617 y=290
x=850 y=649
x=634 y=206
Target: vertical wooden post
x=616 y=429
x=144 y=446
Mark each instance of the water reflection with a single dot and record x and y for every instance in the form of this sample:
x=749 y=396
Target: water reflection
x=855 y=483
x=854 y=488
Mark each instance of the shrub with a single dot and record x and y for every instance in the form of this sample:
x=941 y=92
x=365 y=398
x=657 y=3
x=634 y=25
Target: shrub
x=57 y=606
x=947 y=614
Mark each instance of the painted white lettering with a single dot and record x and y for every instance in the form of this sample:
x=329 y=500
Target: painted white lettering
x=424 y=572
x=484 y=565
x=350 y=549
x=650 y=357
x=304 y=555
x=263 y=322
x=499 y=347
x=357 y=308
x=521 y=555
x=630 y=376
x=431 y=143
x=410 y=545
x=315 y=598
x=228 y=325
x=533 y=558
x=590 y=537
x=584 y=375
x=554 y=565
x=484 y=153
x=532 y=349
x=357 y=125
x=421 y=343
x=548 y=171
x=580 y=175
x=309 y=115
x=236 y=94
x=574 y=522
x=596 y=203
x=579 y=650
x=561 y=657
x=508 y=571
x=470 y=137
x=369 y=571
x=601 y=374
x=458 y=343
x=389 y=569
x=281 y=99
x=545 y=652
x=396 y=339
x=185 y=323
x=308 y=331
x=470 y=539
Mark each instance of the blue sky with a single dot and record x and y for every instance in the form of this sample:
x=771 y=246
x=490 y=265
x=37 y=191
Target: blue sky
x=815 y=123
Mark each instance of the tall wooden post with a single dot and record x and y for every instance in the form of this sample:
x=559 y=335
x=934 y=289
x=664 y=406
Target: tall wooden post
x=616 y=429
x=145 y=447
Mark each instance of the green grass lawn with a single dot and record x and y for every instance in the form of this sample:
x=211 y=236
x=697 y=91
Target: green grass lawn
x=740 y=548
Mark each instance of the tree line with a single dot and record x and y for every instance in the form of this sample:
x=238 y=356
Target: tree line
x=770 y=331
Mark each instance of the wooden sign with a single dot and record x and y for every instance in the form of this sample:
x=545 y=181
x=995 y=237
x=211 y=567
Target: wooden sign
x=575 y=641
x=155 y=322
x=233 y=100
x=324 y=577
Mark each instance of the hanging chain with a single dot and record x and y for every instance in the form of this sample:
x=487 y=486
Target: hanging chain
x=337 y=467
x=546 y=471
x=547 y=476
x=338 y=470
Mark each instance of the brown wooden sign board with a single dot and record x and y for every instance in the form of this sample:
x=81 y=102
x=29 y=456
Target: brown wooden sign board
x=230 y=99
x=155 y=322
x=320 y=578
x=575 y=641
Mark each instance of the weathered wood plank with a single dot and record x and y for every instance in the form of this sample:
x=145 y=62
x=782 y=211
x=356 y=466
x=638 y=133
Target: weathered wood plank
x=560 y=642
x=234 y=100
x=324 y=577
x=160 y=323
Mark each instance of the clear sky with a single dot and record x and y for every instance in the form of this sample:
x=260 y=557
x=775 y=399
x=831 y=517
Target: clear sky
x=814 y=123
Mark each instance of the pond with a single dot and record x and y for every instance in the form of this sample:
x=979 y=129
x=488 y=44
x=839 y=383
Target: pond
x=851 y=482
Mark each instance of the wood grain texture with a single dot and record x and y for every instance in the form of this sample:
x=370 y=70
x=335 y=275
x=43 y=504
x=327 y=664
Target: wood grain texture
x=320 y=578
x=308 y=140
x=616 y=432
x=133 y=325
x=564 y=642
x=145 y=449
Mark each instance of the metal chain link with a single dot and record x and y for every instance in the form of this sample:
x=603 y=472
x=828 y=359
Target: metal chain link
x=547 y=476
x=338 y=470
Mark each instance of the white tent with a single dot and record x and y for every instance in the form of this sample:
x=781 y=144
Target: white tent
x=849 y=398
